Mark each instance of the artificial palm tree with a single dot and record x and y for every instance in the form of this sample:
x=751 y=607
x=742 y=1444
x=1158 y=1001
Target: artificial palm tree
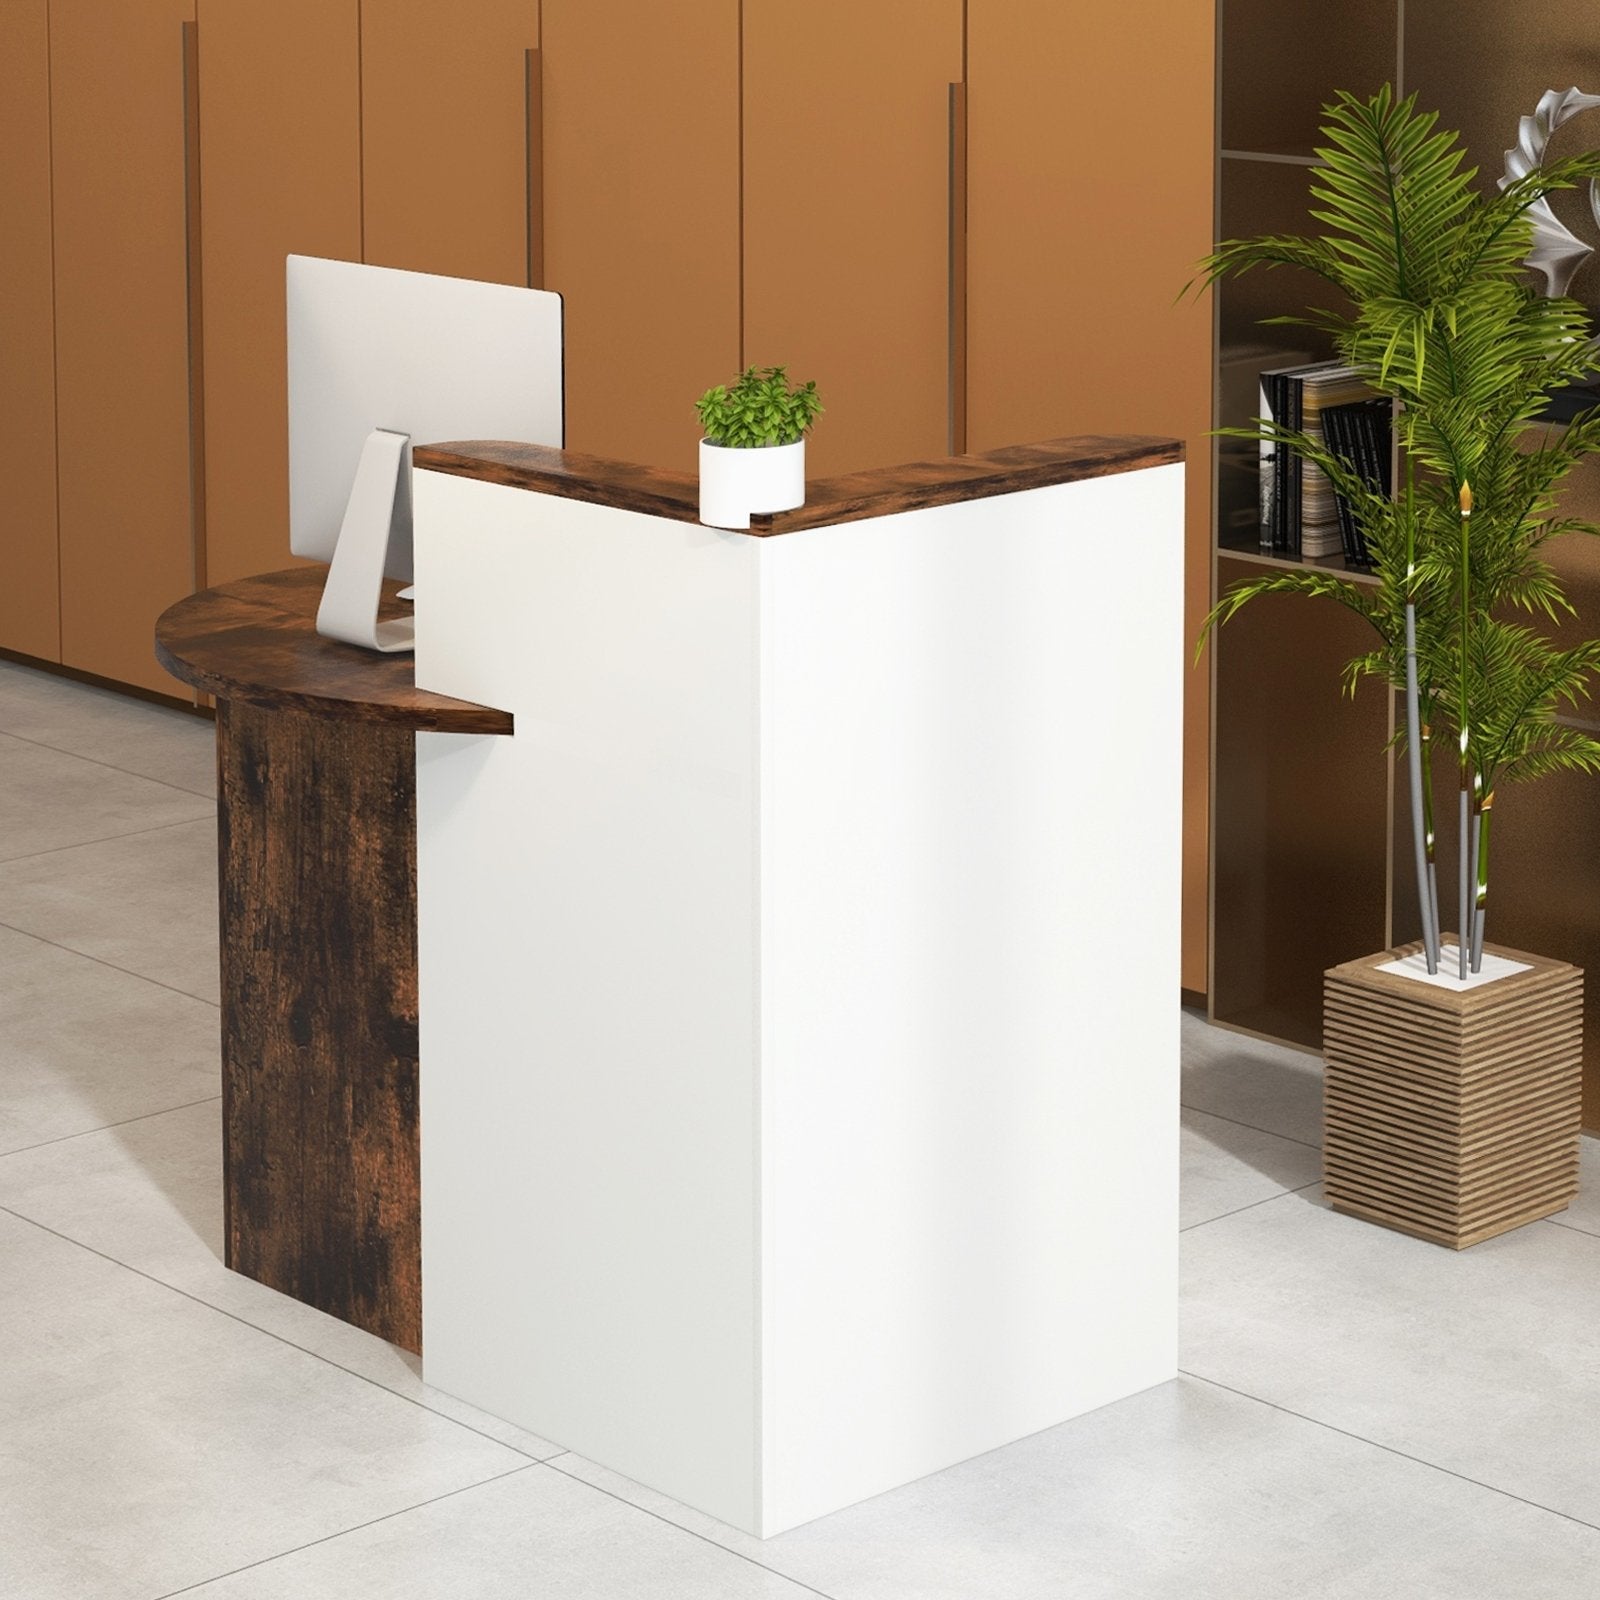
x=1444 y=320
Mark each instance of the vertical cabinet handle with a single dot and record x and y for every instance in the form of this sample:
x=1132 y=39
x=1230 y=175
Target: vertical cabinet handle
x=535 y=118
x=958 y=270
x=191 y=217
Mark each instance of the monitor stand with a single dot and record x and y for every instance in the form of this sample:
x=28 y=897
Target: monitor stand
x=378 y=508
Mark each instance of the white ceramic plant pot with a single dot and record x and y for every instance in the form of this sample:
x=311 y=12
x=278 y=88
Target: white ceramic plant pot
x=735 y=483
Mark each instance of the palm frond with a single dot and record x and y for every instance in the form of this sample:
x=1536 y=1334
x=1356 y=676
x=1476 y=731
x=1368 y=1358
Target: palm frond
x=1310 y=581
x=1442 y=318
x=1558 y=748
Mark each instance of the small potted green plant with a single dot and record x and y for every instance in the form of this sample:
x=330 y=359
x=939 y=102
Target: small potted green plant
x=753 y=446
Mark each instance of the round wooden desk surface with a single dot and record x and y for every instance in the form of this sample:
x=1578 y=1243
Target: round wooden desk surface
x=256 y=641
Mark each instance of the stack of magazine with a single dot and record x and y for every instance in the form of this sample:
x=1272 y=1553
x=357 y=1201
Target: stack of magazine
x=1301 y=515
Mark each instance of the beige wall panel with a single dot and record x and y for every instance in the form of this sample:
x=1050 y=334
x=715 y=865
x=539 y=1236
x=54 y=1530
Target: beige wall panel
x=846 y=229
x=444 y=136
x=29 y=609
x=641 y=117
x=1090 y=199
x=280 y=174
x=122 y=364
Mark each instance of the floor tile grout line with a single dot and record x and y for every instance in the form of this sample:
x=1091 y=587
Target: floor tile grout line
x=693 y=1533
x=245 y=1322
x=110 y=766
x=328 y=1538
x=106 y=1127
x=1389 y=1449
x=1183 y=1105
x=55 y=944
x=110 y=838
x=1282 y=1194
x=1571 y=1227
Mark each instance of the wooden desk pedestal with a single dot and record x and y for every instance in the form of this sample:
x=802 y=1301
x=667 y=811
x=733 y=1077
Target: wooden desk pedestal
x=317 y=834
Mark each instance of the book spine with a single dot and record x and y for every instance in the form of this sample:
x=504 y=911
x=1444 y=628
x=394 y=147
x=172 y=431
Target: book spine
x=1268 y=465
x=1355 y=430
x=1372 y=429
x=1280 y=463
x=1335 y=437
x=1295 y=405
x=1361 y=460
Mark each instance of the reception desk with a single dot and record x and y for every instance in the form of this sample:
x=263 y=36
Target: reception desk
x=786 y=926
x=799 y=983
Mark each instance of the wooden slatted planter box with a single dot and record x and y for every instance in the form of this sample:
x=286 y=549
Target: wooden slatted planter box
x=1452 y=1115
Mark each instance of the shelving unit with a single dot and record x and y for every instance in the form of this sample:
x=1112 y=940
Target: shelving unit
x=1310 y=863
x=1301 y=783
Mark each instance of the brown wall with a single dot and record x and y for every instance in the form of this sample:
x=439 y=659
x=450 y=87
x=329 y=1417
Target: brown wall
x=29 y=607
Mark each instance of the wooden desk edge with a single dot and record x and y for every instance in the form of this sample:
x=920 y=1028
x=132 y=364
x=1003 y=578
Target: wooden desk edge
x=853 y=497
x=226 y=640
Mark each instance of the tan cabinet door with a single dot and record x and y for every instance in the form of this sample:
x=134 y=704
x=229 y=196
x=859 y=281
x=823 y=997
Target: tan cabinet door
x=444 y=129
x=847 y=217
x=118 y=131
x=641 y=187
x=29 y=604
x=280 y=99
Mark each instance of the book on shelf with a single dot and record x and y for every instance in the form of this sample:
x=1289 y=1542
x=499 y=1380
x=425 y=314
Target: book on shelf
x=1238 y=460
x=1360 y=432
x=1276 y=401
x=1301 y=514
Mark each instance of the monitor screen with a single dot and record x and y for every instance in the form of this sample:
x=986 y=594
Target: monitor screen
x=435 y=358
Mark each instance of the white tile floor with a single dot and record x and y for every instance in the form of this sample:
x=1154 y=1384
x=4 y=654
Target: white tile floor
x=1360 y=1415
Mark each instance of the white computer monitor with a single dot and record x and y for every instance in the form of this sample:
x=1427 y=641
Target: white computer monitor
x=377 y=358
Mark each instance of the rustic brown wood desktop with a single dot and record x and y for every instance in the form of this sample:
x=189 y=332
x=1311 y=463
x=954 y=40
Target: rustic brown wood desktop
x=316 y=813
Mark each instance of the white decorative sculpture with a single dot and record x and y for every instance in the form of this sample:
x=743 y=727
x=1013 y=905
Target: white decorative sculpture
x=1557 y=251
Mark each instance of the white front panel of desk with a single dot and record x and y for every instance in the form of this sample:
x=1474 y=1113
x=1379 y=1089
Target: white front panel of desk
x=586 y=894
x=799 y=982
x=970 y=864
